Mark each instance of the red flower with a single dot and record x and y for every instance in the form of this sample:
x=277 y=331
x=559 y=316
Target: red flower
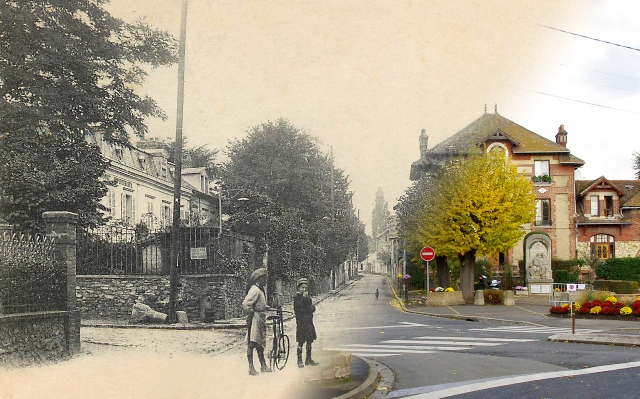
x=637 y=312
x=596 y=302
x=635 y=305
x=584 y=309
x=607 y=304
x=587 y=304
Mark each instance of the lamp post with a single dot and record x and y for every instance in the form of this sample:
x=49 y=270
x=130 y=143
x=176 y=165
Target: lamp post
x=239 y=190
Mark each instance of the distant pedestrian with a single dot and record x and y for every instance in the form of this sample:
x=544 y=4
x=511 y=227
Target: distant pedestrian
x=377 y=294
x=303 y=308
x=255 y=304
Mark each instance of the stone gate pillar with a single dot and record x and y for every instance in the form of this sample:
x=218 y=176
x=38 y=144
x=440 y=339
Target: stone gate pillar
x=61 y=226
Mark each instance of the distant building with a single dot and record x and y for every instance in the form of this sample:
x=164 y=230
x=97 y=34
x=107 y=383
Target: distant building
x=550 y=166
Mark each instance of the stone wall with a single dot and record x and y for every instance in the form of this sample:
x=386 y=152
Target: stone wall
x=113 y=296
x=30 y=338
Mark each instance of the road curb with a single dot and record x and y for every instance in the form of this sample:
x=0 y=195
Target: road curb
x=617 y=340
x=367 y=387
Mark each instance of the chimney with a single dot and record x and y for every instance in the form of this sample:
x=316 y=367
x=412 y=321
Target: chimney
x=561 y=137
x=424 y=143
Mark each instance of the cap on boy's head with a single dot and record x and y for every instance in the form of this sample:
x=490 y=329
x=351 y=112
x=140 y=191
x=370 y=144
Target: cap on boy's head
x=302 y=281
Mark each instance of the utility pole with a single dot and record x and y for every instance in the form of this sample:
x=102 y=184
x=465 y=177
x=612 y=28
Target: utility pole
x=177 y=182
x=333 y=213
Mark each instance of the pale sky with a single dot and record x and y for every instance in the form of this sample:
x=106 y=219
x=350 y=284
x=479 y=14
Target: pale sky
x=365 y=76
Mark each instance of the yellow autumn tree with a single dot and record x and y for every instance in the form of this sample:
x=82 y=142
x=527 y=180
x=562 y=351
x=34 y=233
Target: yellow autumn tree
x=475 y=207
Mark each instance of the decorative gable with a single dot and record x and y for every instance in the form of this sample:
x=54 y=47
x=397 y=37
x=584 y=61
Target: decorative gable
x=498 y=134
x=601 y=184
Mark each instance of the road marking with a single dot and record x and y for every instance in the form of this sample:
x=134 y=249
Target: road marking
x=478 y=339
x=425 y=342
x=453 y=389
x=421 y=345
x=534 y=330
x=441 y=348
x=402 y=324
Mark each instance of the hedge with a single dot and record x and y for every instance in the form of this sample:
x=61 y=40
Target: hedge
x=620 y=269
x=617 y=286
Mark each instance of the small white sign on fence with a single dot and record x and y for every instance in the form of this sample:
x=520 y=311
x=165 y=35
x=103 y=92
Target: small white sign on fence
x=199 y=253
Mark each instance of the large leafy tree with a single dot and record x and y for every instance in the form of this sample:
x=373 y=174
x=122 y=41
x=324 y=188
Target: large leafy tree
x=293 y=211
x=636 y=164
x=68 y=67
x=476 y=206
x=63 y=176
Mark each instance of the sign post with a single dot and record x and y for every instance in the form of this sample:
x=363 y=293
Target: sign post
x=427 y=254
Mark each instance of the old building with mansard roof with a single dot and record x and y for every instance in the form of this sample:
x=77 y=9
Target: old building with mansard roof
x=549 y=164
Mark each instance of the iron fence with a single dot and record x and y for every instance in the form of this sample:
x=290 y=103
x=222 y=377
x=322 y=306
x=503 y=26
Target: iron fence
x=128 y=250
x=30 y=278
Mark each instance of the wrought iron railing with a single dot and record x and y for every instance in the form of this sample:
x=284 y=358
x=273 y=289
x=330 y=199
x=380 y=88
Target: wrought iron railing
x=30 y=278
x=138 y=251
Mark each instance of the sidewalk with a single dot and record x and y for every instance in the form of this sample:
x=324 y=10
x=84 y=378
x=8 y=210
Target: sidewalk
x=532 y=310
x=196 y=360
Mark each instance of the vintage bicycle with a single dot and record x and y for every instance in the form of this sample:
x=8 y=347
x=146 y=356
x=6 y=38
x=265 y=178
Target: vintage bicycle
x=279 y=353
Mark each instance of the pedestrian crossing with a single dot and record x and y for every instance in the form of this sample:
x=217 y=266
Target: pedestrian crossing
x=535 y=330
x=422 y=345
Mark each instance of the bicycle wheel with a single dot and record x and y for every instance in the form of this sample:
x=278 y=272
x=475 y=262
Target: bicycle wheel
x=282 y=354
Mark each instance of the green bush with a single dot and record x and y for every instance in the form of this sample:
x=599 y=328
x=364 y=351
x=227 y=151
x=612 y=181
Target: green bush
x=620 y=269
x=565 y=271
x=493 y=297
x=617 y=286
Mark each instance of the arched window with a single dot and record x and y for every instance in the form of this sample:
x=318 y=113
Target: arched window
x=603 y=246
x=498 y=148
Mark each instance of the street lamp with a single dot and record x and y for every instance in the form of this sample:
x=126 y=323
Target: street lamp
x=239 y=191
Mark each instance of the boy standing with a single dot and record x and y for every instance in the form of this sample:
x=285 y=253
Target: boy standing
x=303 y=308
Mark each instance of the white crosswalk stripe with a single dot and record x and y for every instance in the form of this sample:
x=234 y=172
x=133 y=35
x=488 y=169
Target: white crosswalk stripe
x=421 y=345
x=534 y=330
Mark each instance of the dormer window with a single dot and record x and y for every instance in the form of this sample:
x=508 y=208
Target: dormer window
x=163 y=172
x=119 y=154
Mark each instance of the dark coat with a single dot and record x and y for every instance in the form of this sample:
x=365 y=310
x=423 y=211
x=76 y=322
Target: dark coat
x=303 y=309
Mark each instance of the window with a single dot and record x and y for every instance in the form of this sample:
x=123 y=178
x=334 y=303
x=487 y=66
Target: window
x=541 y=168
x=608 y=205
x=167 y=217
x=163 y=172
x=543 y=212
x=594 y=205
x=603 y=246
x=119 y=154
x=204 y=183
x=127 y=209
x=111 y=198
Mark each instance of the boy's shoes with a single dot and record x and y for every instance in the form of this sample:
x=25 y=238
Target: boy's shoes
x=310 y=362
x=265 y=369
x=300 y=364
x=253 y=371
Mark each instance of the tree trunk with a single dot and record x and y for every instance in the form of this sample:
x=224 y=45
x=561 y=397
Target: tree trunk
x=467 y=266
x=442 y=271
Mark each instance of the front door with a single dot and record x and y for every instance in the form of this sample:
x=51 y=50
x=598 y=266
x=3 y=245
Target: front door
x=602 y=251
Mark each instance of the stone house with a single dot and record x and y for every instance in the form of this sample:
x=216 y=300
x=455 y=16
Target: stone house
x=608 y=221
x=549 y=164
x=142 y=186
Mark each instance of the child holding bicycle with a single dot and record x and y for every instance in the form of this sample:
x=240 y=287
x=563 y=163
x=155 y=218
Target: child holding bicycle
x=255 y=304
x=305 y=331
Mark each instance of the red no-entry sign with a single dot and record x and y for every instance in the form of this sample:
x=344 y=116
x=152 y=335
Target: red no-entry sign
x=427 y=254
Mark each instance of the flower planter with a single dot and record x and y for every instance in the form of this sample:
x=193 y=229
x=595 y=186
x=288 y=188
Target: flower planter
x=445 y=298
x=521 y=292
